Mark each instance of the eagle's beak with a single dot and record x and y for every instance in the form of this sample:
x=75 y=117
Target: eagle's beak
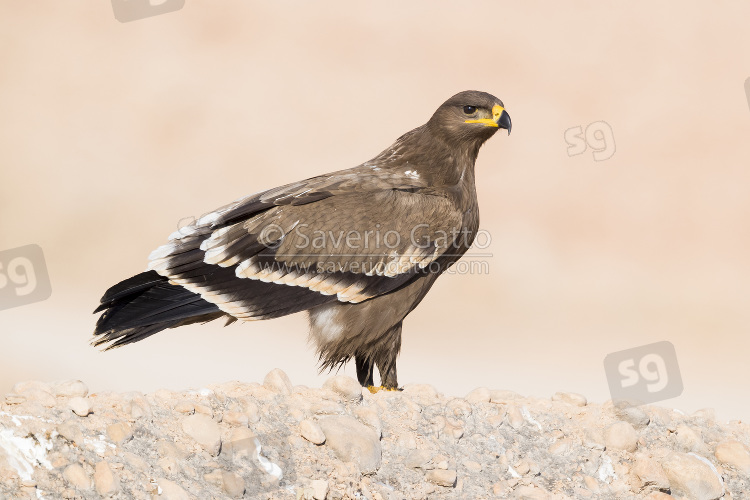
x=500 y=118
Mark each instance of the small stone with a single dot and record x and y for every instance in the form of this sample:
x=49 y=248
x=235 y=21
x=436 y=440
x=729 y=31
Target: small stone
x=473 y=466
x=44 y=398
x=560 y=447
x=105 y=481
x=352 y=441
x=319 y=489
x=77 y=477
x=80 y=406
x=204 y=430
x=417 y=459
x=32 y=385
x=241 y=444
x=688 y=440
x=691 y=477
x=658 y=495
x=170 y=450
x=233 y=485
x=531 y=493
x=14 y=399
x=634 y=415
x=570 y=398
x=120 y=432
x=344 y=386
x=368 y=416
x=185 y=406
x=503 y=396
x=311 y=431
x=70 y=389
x=735 y=454
x=425 y=391
x=71 y=431
x=479 y=395
x=171 y=490
x=650 y=473
x=515 y=417
x=621 y=436
x=278 y=382
x=441 y=477
x=236 y=418
x=252 y=411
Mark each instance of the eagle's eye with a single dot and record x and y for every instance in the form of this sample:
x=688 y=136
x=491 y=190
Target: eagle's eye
x=470 y=110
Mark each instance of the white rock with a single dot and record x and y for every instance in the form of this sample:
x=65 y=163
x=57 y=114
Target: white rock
x=77 y=477
x=479 y=395
x=311 y=431
x=32 y=385
x=650 y=473
x=120 y=432
x=688 y=439
x=278 y=381
x=319 y=488
x=171 y=490
x=621 y=436
x=442 y=477
x=80 y=406
x=571 y=398
x=105 y=481
x=204 y=430
x=691 y=477
x=344 y=386
x=233 y=485
x=70 y=389
x=735 y=454
x=368 y=416
x=352 y=441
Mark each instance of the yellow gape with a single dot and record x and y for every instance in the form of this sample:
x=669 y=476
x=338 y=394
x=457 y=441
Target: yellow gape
x=497 y=112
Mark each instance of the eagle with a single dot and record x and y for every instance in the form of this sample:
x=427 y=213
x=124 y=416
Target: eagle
x=358 y=249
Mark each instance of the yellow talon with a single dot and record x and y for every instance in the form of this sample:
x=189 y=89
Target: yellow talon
x=374 y=389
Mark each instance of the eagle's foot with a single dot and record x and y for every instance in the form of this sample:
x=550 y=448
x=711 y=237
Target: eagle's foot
x=374 y=389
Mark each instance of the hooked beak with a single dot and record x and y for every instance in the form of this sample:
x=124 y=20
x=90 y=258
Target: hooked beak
x=500 y=118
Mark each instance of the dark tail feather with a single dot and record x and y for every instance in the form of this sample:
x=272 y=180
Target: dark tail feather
x=147 y=304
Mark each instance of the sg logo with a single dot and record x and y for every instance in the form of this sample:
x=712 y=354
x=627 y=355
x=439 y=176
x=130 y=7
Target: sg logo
x=598 y=136
x=644 y=374
x=23 y=277
x=132 y=10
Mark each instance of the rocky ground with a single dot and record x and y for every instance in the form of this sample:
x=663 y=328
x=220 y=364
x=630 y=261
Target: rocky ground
x=279 y=441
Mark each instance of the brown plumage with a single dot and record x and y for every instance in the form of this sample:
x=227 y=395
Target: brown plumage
x=357 y=248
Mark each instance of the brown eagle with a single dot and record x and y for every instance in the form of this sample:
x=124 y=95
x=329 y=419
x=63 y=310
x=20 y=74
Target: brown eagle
x=358 y=249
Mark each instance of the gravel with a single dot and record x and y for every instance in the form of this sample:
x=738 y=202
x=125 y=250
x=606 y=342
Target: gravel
x=279 y=441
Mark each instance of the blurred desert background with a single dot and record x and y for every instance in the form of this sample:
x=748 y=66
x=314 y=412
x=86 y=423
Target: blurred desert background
x=111 y=133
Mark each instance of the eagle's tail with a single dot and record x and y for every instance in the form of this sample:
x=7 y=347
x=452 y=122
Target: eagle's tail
x=147 y=304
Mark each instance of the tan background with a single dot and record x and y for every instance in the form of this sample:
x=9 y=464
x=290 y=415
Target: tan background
x=111 y=133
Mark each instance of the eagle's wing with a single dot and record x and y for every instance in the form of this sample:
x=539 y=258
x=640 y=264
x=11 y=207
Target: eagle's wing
x=345 y=236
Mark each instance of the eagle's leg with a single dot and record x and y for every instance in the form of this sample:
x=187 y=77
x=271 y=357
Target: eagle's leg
x=385 y=359
x=364 y=370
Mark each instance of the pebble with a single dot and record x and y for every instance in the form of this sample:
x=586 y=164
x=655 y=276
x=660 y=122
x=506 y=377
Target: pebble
x=735 y=454
x=368 y=416
x=120 y=432
x=691 y=477
x=424 y=391
x=634 y=415
x=479 y=395
x=236 y=418
x=319 y=488
x=71 y=431
x=14 y=399
x=80 y=406
x=531 y=493
x=171 y=490
x=418 y=459
x=352 y=441
x=77 y=477
x=689 y=440
x=185 y=406
x=70 y=389
x=44 y=398
x=277 y=381
x=233 y=485
x=503 y=396
x=310 y=430
x=570 y=398
x=346 y=387
x=650 y=473
x=105 y=481
x=204 y=430
x=32 y=385
x=241 y=444
x=442 y=477
x=621 y=436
